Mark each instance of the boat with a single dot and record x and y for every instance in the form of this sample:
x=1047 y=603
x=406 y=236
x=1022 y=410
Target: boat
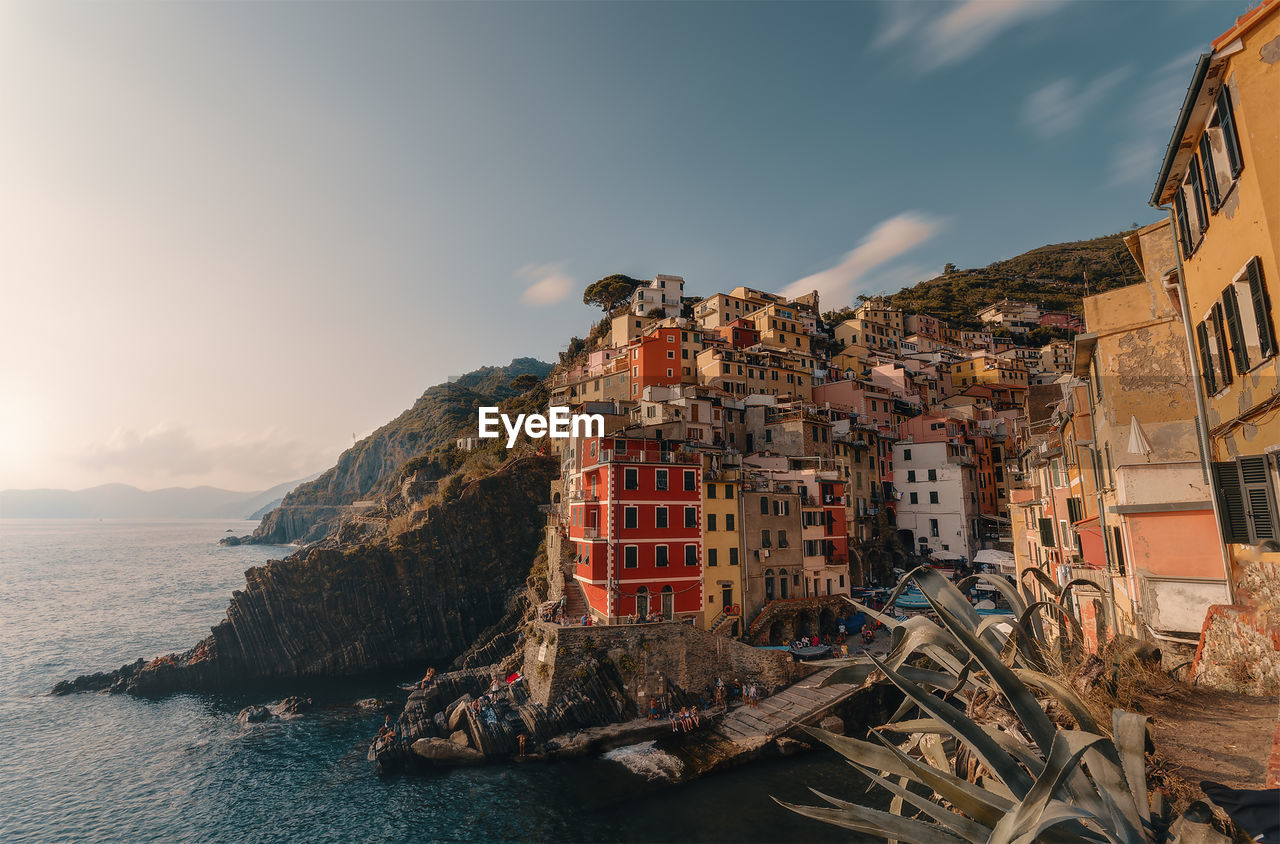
x=811 y=652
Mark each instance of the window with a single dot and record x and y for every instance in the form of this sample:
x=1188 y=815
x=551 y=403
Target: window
x=630 y=556
x=660 y=517
x=1246 y=307
x=728 y=521
x=630 y=478
x=1246 y=499
x=620 y=445
x=768 y=584
x=915 y=498
x=764 y=506
x=711 y=490
x=781 y=508
x=933 y=474
x=711 y=521
x=906 y=454
x=690 y=480
x=711 y=556
x=765 y=540
x=933 y=498
x=660 y=556
x=690 y=517
x=660 y=479
x=691 y=555
x=933 y=527
x=631 y=517
x=1118 y=543
x=782 y=539
x=733 y=556
x=1220 y=161
x=728 y=488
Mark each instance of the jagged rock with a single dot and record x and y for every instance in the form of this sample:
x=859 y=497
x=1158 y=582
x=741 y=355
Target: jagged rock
x=291 y=706
x=371 y=703
x=832 y=724
x=420 y=597
x=790 y=746
x=444 y=752
x=254 y=715
x=456 y=712
x=459 y=738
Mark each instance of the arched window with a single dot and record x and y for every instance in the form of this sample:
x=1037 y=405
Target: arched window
x=642 y=602
x=768 y=584
x=782 y=583
x=668 y=602
x=555 y=498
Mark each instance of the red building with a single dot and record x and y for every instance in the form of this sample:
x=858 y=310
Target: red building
x=656 y=360
x=835 y=534
x=1061 y=319
x=637 y=525
x=739 y=334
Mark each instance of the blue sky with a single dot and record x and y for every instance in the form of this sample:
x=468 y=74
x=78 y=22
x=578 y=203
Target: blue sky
x=235 y=234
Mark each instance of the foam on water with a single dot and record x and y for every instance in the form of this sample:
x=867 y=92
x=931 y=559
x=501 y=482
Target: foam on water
x=646 y=760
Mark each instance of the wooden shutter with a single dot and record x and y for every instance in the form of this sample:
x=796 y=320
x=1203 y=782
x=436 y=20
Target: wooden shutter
x=1231 y=307
x=1206 y=360
x=1197 y=194
x=1261 y=308
x=1210 y=177
x=1184 y=230
x=1259 y=498
x=1046 y=533
x=1231 y=507
x=1220 y=335
x=1227 y=119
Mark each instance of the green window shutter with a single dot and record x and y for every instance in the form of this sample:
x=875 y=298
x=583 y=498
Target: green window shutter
x=1206 y=360
x=1227 y=119
x=1220 y=333
x=1231 y=506
x=1184 y=229
x=1261 y=308
x=1259 y=497
x=1197 y=193
x=1231 y=307
x=1210 y=177
x=1046 y=533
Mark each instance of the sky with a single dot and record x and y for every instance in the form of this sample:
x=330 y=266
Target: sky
x=235 y=235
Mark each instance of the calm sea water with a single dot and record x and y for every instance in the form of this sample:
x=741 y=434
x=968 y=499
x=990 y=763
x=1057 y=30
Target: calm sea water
x=80 y=595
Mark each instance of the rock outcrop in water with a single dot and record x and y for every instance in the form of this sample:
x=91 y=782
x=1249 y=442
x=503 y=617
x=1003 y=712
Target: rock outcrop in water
x=443 y=413
x=415 y=597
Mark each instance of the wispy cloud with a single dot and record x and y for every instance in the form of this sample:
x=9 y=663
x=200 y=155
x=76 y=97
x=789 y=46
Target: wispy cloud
x=1149 y=122
x=172 y=454
x=888 y=240
x=547 y=284
x=1061 y=106
x=937 y=40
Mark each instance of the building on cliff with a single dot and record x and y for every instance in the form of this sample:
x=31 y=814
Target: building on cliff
x=1220 y=182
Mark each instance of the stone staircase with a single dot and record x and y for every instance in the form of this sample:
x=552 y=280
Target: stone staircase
x=575 y=605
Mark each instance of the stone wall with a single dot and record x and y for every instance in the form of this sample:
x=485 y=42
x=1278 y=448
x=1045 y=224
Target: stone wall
x=650 y=658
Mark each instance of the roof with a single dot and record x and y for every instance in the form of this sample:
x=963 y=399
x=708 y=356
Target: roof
x=1205 y=82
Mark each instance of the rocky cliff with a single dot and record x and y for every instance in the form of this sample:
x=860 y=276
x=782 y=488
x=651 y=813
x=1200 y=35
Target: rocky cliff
x=410 y=597
x=442 y=414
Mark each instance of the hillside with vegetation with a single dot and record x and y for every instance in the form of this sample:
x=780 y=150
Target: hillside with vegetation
x=418 y=436
x=1057 y=276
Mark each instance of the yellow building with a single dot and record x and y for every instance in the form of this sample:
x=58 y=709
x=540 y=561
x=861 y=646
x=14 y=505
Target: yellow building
x=747 y=372
x=1220 y=182
x=780 y=327
x=722 y=551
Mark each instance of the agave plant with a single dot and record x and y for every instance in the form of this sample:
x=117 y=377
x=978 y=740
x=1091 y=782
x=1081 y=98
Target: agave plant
x=1016 y=777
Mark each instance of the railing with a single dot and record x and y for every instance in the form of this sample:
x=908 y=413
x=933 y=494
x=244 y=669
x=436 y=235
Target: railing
x=609 y=455
x=590 y=533
x=582 y=495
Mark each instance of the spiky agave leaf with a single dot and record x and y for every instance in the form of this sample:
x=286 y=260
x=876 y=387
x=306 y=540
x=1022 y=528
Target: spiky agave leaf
x=1053 y=784
x=1007 y=590
x=975 y=801
x=1061 y=693
x=1129 y=732
x=1025 y=705
x=967 y=828
x=876 y=822
x=988 y=751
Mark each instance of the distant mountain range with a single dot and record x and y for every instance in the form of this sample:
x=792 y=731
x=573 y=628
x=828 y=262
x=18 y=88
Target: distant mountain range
x=121 y=501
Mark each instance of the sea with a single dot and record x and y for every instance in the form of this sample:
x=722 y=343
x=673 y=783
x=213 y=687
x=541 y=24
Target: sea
x=80 y=596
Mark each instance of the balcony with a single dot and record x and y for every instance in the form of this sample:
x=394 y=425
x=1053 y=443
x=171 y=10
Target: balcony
x=590 y=533
x=583 y=495
x=608 y=455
